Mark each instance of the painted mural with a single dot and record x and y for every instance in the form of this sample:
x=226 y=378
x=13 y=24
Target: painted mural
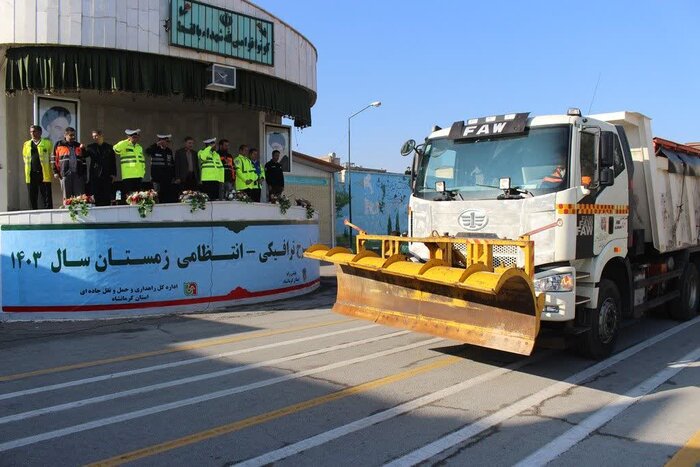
x=379 y=204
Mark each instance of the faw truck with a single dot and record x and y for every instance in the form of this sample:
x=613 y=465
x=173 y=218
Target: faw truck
x=518 y=224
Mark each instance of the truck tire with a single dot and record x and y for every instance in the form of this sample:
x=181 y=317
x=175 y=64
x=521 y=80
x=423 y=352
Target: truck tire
x=685 y=307
x=604 y=321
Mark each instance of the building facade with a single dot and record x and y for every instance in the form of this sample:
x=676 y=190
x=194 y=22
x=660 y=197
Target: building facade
x=313 y=179
x=224 y=68
x=379 y=202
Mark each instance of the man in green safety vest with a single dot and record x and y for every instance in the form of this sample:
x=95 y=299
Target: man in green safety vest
x=211 y=169
x=246 y=177
x=131 y=161
x=36 y=153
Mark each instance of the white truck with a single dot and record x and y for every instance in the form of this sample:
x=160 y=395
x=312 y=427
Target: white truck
x=614 y=213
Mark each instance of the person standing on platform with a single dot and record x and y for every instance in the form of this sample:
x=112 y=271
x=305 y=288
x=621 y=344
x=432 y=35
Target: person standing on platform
x=163 y=168
x=245 y=172
x=274 y=174
x=211 y=169
x=227 y=162
x=186 y=167
x=131 y=161
x=259 y=176
x=36 y=153
x=69 y=164
x=102 y=168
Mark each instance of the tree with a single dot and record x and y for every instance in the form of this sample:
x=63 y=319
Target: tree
x=342 y=199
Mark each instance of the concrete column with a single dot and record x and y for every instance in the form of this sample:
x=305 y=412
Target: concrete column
x=4 y=149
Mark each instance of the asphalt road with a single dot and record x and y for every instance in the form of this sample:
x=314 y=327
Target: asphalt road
x=292 y=383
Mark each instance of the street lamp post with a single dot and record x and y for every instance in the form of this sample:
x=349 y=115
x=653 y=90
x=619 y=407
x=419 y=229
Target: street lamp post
x=349 y=171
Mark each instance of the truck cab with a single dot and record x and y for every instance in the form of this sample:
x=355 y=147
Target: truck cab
x=564 y=180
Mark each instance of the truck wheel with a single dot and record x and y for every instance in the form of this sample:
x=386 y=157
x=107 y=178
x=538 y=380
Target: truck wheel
x=604 y=322
x=686 y=306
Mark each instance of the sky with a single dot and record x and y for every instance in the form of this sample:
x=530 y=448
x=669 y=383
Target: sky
x=436 y=62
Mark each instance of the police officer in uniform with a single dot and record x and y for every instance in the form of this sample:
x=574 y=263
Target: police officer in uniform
x=246 y=177
x=36 y=153
x=211 y=169
x=162 y=168
x=131 y=161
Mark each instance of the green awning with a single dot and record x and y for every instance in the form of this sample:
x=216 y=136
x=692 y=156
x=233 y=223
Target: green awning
x=71 y=69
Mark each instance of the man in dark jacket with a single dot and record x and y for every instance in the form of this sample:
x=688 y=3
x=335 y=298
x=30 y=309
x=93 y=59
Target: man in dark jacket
x=162 y=168
x=102 y=169
x=186 y=167
x=274 y=174
x=69 y=166
x=227 y=162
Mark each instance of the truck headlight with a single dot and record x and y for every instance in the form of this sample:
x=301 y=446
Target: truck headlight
x=555 y=283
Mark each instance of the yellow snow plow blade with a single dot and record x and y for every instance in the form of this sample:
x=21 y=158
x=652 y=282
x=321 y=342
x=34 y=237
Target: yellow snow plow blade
x=457 y=294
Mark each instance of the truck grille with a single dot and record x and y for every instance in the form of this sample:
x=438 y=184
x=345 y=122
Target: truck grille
x=503 y=255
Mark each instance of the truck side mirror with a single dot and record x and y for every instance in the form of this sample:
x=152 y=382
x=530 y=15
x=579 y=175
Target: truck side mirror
x=607 y=176
x=407 y=147
x=607 y=148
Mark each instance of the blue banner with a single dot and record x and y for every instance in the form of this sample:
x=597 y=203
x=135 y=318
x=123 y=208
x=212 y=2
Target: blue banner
x=96 y=267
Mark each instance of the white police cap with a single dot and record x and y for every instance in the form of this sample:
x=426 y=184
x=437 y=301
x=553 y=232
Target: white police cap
x=164 y=136
x=210 y=140
x=132 y=132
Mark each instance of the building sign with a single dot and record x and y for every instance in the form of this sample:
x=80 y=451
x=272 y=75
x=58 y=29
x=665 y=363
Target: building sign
x=207 y=28
x=133 y=266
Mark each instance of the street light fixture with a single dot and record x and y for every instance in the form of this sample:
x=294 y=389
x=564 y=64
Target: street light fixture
x=348 y=170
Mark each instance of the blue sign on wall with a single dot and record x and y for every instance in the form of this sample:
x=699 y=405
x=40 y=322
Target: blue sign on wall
x=96 y=267
x=379 y=202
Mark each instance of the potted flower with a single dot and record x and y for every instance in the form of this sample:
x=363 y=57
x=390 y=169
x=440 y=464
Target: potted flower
x=195 y=199
x=78 y=205
x=283 y=202
x=240 y=196
x=144 y=200
x=306 y=204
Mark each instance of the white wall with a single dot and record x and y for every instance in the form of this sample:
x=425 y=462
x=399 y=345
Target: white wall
x=138 y=25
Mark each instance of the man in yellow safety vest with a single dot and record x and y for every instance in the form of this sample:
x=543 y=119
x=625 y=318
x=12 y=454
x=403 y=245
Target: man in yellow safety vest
x=131 y=161
x=246 y=177
x=211 y=169
x=36 y=153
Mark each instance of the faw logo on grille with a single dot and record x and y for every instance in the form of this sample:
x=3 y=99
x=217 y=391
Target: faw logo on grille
x=473 y=219
x=190 y=288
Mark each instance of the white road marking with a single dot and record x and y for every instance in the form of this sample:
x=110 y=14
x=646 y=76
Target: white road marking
x=190 y=379
x=6 y=446
x=575 y=435
x=314 y=441
x=164 y=366
x=436 y=447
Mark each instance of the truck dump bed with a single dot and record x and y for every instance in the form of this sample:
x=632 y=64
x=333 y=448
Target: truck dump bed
x=665 y=192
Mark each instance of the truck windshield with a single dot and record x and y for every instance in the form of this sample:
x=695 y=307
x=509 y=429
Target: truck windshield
x=536 y=161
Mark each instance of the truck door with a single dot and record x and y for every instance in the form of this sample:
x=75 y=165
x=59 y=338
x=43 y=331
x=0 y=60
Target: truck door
x=601 y=214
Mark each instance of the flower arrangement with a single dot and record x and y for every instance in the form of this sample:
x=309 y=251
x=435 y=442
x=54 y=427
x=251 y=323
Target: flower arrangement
x=306 y=204
x=78 y=205
x=283 y=202
x=144 y=200
x=240 y=196
x=195 y=199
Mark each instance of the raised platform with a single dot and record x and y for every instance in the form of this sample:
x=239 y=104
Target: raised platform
x=113 y=263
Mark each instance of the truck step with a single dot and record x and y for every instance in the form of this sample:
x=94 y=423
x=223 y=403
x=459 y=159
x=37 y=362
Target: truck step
x=581 y=300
